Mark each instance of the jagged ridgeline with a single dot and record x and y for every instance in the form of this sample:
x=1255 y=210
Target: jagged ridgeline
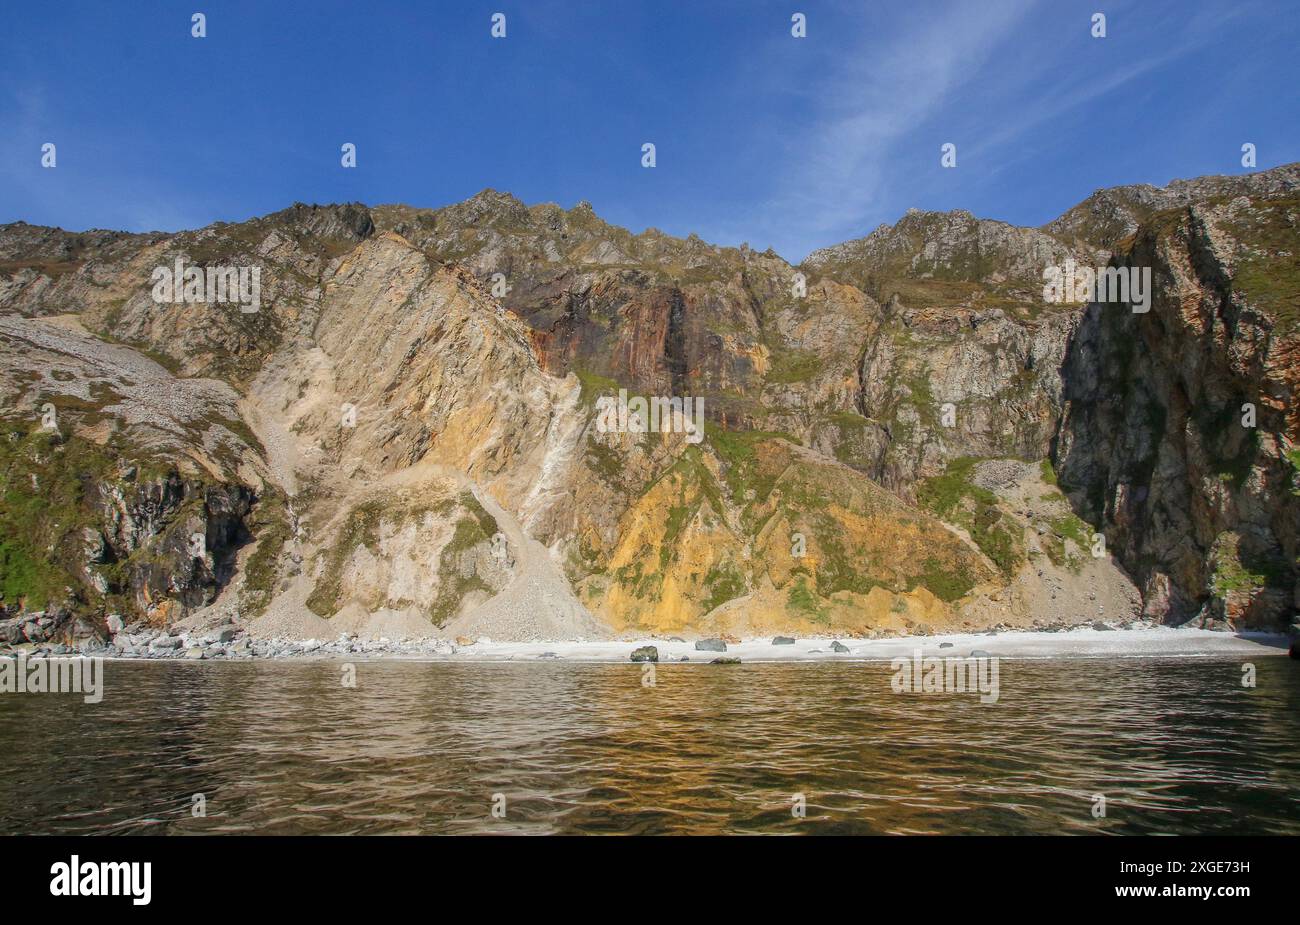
x=407 y=427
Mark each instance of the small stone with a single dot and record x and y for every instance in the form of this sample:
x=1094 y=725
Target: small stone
x=837 y=646
x=194 y=652
x=725 y=660
x=945 y=645
x=979 y=653
x=782 y=641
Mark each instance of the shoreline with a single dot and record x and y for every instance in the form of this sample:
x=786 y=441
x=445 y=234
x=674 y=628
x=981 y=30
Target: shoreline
x=1072 y=644
x=1079 y=643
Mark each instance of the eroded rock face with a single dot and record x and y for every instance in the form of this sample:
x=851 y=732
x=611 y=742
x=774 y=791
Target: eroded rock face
x=410 y=368
x=750 y=534
x=124 y=486
x=1180 y=424
x=432 y=551
x=941 y=384
x=85 y=531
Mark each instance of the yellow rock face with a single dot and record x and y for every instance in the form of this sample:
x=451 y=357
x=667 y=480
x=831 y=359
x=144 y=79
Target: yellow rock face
x=767 y=537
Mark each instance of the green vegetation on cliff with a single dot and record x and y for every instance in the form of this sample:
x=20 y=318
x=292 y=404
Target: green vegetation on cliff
x=44 y=481
x=954 y=497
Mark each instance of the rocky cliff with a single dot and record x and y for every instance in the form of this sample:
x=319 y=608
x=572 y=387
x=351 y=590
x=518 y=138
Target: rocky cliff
x=898 y=435
x=1179 y=428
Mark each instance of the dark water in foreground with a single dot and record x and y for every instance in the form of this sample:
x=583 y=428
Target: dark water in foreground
x=1176 y=746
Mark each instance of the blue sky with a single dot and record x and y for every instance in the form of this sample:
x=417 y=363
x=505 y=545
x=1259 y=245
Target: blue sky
x=761 y=137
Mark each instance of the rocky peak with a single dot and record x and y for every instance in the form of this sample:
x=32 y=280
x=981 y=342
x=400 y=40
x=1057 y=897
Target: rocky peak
x=346 y=221
x=948 y=259
x=486 y=207
x=953 y=245
x=1110 y=215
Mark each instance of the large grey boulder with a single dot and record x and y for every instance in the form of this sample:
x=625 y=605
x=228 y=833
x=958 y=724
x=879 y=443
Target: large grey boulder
x=710 y=645
x=227 y=633
x=11 y=631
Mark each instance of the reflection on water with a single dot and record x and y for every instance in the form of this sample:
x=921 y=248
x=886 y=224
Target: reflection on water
x=1176 y=746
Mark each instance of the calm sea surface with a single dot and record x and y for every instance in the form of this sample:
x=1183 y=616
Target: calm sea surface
x=1175 y=746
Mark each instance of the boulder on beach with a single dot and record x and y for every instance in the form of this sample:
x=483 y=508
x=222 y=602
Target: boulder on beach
x=645 y=654
x=838 y=646
x=782 y=641
x=710 y=645
x=725 y=660
x=979 y=653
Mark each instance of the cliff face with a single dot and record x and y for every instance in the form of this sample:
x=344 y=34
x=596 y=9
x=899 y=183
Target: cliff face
x=124 y=487
x=1179 y=430
x=406 y=434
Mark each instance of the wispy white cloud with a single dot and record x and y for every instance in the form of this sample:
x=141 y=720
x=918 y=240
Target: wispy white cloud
x=974 y=69
x=893 y=85
x=1067 y=90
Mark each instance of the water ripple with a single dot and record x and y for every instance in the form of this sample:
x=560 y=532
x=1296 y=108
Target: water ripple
x=1174 y=746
